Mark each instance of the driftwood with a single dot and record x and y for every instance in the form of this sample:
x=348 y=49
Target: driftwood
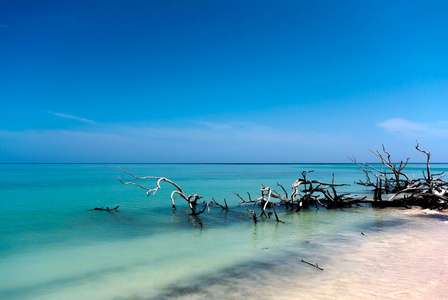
x=304 y=193
x=428 y=192
x=431 y=191
x=254 y=215
x=191 y=199
x=225 y=207
x=389 y=181
x=107 y=208
x=314 y=265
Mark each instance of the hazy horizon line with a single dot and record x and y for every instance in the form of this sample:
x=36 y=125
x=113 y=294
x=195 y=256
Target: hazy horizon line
x=197 y=163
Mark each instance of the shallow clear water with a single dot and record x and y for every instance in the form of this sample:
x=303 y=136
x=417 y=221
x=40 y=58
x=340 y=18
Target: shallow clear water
x=54 y=246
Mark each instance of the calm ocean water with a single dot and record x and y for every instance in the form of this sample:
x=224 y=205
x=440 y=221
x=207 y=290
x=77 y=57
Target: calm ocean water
x=53 y=246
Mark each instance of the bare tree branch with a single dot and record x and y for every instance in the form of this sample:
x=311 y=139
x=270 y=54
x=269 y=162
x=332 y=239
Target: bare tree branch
x=191 y=199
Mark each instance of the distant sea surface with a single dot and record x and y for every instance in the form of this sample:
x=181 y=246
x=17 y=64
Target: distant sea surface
x=54 y=246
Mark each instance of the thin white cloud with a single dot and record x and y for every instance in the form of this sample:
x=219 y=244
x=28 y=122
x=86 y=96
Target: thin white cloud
x=66 y=116
x=227 y=142
x=232 y=134
x=408 y=128
x=402 y=125
x=231 y=125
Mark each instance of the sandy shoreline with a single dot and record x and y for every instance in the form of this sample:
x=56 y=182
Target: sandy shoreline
x=406 y=263
x=403 y=262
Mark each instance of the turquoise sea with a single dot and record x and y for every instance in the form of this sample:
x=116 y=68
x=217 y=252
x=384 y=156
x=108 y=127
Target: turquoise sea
x=54 y=246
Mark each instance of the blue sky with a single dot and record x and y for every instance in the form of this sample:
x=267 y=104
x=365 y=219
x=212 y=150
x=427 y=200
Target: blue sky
x=222 y=81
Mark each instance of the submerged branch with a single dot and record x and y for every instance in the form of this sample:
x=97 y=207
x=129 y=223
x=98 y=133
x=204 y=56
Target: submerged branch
x=107 y=208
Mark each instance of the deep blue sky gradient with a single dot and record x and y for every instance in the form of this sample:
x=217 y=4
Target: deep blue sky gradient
x=222 y=81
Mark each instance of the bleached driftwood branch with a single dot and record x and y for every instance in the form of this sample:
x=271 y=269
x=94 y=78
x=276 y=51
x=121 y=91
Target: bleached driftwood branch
x=304 y=193
x=431 y=191
x=191 y=199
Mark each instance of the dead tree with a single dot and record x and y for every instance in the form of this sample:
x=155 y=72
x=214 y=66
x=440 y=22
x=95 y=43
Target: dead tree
x=391 y=180
x=431 y=191
x=304 y=193
x=428 y=192
x=323 y=194
x=396 y=183
x=179 y=192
